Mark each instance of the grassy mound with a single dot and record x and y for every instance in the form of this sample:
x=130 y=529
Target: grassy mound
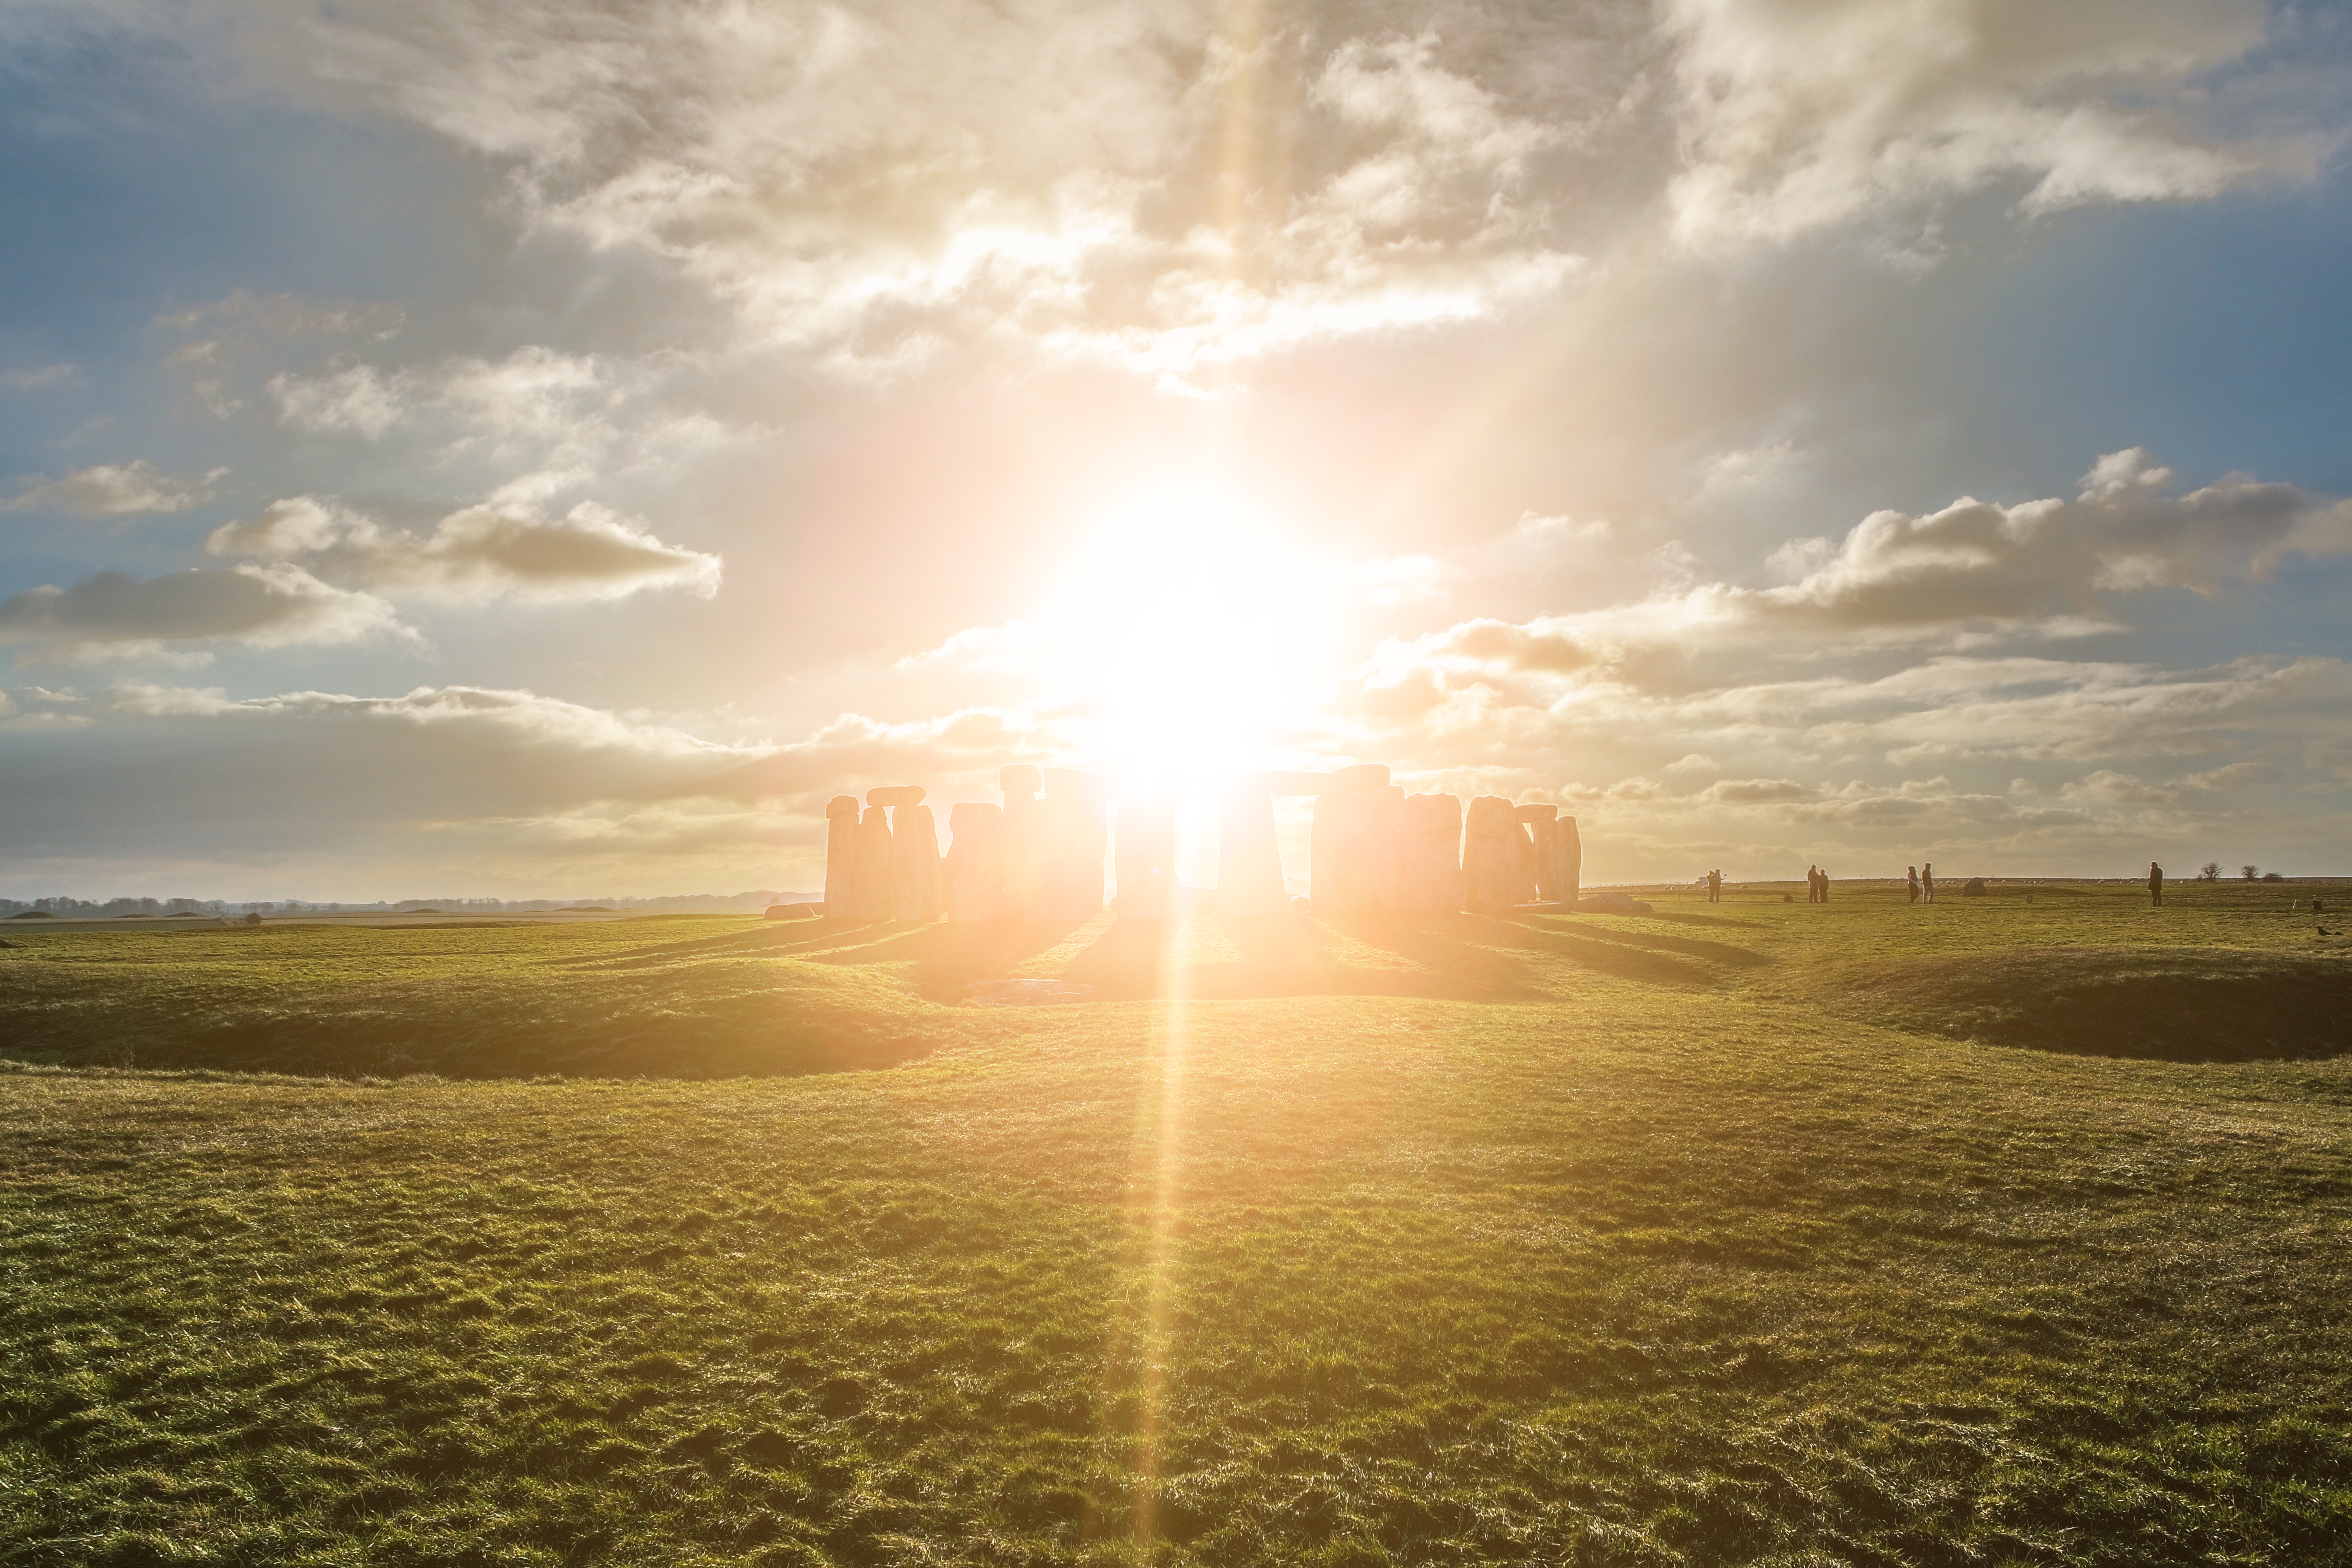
x=2184 y=1004
x=477 y=999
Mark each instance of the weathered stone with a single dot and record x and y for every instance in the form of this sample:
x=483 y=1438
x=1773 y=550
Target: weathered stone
x=1429 y=876
x=1249 y=860
x=1018 y=778
x=1545 y=831
x=840 y=854
x=869 y=884
x=1538 y=823
x=896 y=795
x=1355 y=851
x=914 y=864
x=1491 y=845
x=972 y=879
x=1566 y=862
x=1145 y=857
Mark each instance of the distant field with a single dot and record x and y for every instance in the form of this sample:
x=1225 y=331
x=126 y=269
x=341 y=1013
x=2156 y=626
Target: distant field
x=1753 y=1232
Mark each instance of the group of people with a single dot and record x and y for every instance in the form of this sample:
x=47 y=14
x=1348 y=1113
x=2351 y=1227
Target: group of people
x=1921 y=879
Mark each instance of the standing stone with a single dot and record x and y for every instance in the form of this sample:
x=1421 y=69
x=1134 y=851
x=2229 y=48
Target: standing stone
x=1568 y=861
x=1542 y=829
x=1429 y=876
x=1490 y=853
x=1249 y=860
x=896 y=795
x=1145 y=858
x=1356 y=850
x=914 y=864
x=972 y=879
x=869 y=897
x=840 y=855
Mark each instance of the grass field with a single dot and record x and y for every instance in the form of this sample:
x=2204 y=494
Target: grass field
x=1752 y=1232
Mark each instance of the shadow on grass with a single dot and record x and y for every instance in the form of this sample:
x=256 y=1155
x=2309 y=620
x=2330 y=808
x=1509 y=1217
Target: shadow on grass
x=1584 y=933
x=2183 y=1004
x=1683 y=918
x=1456 y=958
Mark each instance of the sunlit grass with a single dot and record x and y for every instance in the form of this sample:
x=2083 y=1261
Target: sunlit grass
x=1693 y=1238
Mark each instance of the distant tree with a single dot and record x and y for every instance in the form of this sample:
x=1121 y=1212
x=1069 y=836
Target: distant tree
x=2248 y=871
x=2209 y=872
x=2272 y=877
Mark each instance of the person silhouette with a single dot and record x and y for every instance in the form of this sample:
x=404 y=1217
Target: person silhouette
x=1927 y=881
x=1825 y=884
x=1813 y=884
x=1911 y=879
x=2155 y=884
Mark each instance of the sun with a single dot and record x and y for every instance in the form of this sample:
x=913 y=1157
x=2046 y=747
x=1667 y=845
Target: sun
x=1197 y=633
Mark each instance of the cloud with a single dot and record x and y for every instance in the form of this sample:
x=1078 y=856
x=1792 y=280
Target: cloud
x=1540 y=646
x=1799 y=116
x=970 y=742
x=358 y=399
x=1146 y=185
x=145 y=700
x=109 y=615
x=117 y=490
x=483 y=782
x=476 y=556
x=1968 y=574
x=32 y=378
x=1753 y=791
x=2109 y=786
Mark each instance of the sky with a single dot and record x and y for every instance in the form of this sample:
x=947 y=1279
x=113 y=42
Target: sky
x=537 y=447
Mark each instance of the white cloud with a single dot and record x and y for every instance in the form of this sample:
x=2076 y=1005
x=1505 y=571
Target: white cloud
x=110 y=490
x=357 y=399
x=476 y=556
x=1797 y=116
x=110 y=615
x=146 y=700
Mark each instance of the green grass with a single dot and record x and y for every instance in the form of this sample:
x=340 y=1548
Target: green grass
x=1741 y=1233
